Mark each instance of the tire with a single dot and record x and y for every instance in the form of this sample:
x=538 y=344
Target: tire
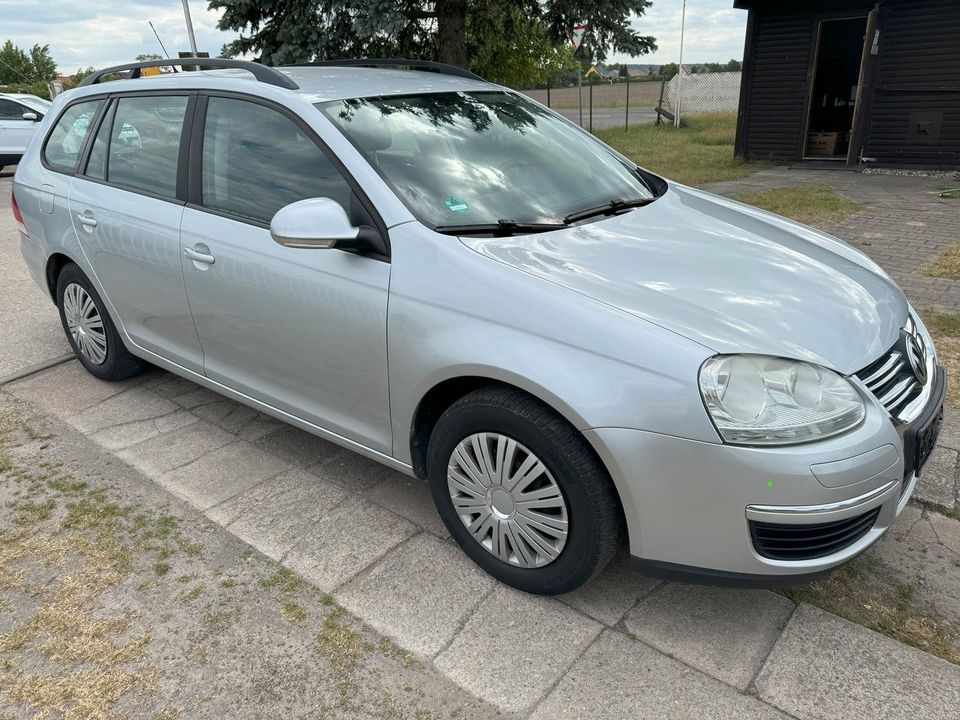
x=493 y=417
x=97 y=344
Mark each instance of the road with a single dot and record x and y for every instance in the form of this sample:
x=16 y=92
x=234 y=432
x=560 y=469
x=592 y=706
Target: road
x=32 y=334
x=610 y=117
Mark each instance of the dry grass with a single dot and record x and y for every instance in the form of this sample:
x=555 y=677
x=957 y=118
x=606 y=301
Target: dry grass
x=885 y=607
x=699 y=152
x=815 y=204
x=947 y=265
x=339 y=643
x=945 y=329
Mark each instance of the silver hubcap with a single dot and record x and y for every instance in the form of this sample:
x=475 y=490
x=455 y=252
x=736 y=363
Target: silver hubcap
x=508 y=500
x=84 y=323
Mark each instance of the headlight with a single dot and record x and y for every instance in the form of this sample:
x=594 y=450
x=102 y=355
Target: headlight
x=759 y=400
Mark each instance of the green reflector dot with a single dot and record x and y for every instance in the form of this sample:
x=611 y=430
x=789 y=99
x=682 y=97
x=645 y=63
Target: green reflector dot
x=769 y=483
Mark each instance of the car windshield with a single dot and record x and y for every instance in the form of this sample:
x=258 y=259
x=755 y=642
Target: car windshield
x=472 y=159
x=34 y=103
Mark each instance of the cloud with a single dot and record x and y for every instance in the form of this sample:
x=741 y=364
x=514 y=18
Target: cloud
x=714 y=31
x=107 y=32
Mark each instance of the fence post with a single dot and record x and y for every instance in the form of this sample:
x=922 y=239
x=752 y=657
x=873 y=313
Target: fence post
x=591 y=104
x=626 y=114
x=663 y=86
x=548 y=93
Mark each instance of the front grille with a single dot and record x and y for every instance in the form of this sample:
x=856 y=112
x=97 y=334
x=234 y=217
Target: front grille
x=893 y=378
x=806 y=542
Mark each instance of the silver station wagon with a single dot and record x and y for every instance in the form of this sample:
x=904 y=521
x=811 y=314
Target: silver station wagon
x=445 y=276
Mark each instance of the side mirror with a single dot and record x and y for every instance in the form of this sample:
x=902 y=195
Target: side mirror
x=320 y=223
x=31 y=116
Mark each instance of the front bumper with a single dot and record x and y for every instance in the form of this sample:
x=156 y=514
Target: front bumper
x=693 y=508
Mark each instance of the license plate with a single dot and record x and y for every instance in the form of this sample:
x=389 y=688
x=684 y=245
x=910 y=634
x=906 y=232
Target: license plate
x=926 y=440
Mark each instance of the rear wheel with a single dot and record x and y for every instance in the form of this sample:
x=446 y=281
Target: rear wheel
x=90 y=331
x=522 y=492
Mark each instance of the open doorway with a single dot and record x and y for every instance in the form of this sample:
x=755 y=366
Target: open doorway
x=833 y=101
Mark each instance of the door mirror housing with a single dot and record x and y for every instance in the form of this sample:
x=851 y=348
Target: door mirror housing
x=321 y=223
x=31 y=116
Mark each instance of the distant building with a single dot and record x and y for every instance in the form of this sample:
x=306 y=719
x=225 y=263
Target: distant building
x=602 y=72
x=849 y=79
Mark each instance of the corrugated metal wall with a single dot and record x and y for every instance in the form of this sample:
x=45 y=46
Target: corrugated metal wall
x=912 y=108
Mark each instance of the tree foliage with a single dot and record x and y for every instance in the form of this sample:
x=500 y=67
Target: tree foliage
x=20 y=66
x=517 y=42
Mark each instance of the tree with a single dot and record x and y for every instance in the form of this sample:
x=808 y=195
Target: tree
x=286 y=31
x=669 y=70
x=18 y=66
x=43 y=66
x=144 y=57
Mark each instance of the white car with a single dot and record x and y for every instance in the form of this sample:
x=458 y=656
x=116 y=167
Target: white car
x=20 y=116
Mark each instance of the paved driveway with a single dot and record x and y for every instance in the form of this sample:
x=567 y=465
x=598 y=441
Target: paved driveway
x=31 y=329
x=623 y=646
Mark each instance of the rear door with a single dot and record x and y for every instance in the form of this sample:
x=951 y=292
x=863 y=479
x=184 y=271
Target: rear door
x=15 y=132
x=126 y=206
x=304 y=330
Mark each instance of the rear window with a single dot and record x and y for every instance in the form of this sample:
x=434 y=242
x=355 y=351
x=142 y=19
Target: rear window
x=62 y=149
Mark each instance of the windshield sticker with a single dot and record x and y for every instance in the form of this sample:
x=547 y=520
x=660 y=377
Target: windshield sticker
x=455 y=204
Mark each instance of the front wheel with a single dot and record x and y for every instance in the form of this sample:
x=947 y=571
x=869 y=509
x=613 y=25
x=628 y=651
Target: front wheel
x=522 y=492
x=90 y=331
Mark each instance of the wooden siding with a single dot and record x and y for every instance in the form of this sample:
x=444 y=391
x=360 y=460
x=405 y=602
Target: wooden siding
x=918 y=72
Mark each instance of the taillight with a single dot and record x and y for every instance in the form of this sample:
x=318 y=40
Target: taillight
x=16 y=213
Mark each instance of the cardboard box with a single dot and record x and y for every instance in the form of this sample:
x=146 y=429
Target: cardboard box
x=824 y=143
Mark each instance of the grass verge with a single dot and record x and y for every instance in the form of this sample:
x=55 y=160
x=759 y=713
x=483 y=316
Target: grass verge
x=947 y=264
x=815 y=204
x=945 y=329
x=699 y=152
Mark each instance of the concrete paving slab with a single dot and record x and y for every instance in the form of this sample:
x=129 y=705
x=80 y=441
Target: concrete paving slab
x=222 y=474
x=612 y=593
x=241 y=420
x=129 y=406
x=274 y=515
x=825 y=667
x=937 y=483
x=419 y=594
x=947 y=530
x=171 y=450
x=67 y=389
x=515 y=647
x=349 y=538
x=196 y=396
x=724 y=632
x=118 y=437
x=619 y=678
x=298 y=447
x=353 y=471
x=409 y=497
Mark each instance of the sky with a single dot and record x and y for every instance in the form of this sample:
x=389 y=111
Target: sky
x=110 y=32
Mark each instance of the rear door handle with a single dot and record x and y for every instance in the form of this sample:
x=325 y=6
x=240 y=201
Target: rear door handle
x=199 y=257
x=87 y=221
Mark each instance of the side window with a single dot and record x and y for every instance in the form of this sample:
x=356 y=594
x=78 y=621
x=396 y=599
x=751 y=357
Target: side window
x=255 y=161
x=10 y=110
x=145 y=143
x=97 y=163
x=66 y=139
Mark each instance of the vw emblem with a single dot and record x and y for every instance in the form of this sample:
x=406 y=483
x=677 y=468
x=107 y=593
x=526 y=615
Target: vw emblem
x=917 y=357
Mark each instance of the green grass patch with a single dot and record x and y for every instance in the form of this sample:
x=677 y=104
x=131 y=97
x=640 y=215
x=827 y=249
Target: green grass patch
x=815 y=204
x=945 y=329
x=699 y=152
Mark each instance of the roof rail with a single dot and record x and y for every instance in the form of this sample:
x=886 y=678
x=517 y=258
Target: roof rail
x=426 y=65
x=263 y=73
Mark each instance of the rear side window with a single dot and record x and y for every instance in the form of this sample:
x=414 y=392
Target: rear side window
x=65 y=141
x=10 y=110
x=144 y=144
x=256 y=160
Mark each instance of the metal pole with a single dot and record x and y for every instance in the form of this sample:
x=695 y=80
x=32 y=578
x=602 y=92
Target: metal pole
x=580 y=92
x=548 y=93
x=193 y=38
x=591 y=105
x=626 y=114
x=683 y=22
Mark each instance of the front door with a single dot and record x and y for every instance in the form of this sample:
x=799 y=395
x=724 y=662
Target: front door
x=126 y=211
x=15 y=132
x=303 y=330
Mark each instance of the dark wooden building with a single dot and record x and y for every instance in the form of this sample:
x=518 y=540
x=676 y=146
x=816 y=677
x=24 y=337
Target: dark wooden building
x=852 y=80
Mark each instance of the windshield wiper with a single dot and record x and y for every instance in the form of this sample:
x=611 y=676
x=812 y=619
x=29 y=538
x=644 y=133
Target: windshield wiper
x=608 y=208
x=501 y=228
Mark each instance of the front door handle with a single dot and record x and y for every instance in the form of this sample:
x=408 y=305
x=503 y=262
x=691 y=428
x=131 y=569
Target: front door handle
x=199 y=257
x=87 y=221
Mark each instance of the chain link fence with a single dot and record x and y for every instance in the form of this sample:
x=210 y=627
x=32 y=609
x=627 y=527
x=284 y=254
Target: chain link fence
x=695 y=93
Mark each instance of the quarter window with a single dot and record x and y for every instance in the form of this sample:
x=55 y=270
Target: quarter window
x=145 y=143
x=10 y=110
x=66 y=139
x=255 y=161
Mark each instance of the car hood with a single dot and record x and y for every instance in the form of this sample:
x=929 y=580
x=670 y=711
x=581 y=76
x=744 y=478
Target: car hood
x=730 y=277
